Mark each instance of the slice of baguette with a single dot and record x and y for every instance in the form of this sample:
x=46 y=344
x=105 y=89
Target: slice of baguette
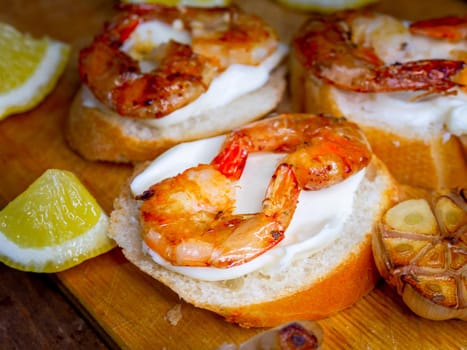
x=99 y=134
x=426 y=156
x=314 y=287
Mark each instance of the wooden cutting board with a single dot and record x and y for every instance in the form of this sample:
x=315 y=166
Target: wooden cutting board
x=128 y=305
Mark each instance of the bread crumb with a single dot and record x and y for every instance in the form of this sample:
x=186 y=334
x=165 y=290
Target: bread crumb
x=174 y=315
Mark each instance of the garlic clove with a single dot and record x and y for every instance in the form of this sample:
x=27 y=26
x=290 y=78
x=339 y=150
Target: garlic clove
x=458 y=258
x=301 y=334
x=450 y=216
x=435 y=257
x=402 y=251
x=441 y=289
x=414 y=216
x=427 y=309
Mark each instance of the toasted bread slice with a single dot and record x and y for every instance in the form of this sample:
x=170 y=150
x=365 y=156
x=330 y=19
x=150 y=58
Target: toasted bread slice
x=314 y=287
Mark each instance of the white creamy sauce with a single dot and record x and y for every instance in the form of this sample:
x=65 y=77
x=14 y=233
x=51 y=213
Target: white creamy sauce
x=424 y=118
x=235 y=81
x=457 y=120
x=317 y=222
x=156 y=33
x=401 y=111
x=175 y=160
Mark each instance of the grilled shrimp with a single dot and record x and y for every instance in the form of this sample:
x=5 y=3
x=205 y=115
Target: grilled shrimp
x=337 y=49
x=189 y=219
x=206 y=42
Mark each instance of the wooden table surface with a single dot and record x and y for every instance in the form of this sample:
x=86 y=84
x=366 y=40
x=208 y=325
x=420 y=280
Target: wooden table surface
x=106 y=302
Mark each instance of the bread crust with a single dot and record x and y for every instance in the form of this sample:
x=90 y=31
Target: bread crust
x=351 y=277
x=434 y=164
x=98 y=134
x=340 y=289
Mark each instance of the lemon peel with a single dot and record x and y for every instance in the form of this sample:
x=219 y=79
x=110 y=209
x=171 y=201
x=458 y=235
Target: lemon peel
x=325 y=6
x=53 y=225
x=195 y=3
x=29 y=69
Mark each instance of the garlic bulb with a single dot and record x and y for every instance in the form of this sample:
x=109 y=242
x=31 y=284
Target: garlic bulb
x=420 y=248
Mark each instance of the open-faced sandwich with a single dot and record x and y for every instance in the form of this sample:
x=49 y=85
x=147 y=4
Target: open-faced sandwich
x=402 y=82
x=267 y=224
x=159 y=75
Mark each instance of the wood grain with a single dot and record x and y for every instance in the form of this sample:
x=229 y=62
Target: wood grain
x=130 y=306
x=35 y=315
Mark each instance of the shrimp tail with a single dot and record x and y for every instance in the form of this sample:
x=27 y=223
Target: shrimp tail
x=250 y=239
x=258 y=233
x=452 y=28
x=282 y=195
x=232 y=159
x=431 y=75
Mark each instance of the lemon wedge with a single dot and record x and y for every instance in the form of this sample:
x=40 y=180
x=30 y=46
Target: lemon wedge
x=194 y=3
x=53 y=225
x=29 y=69
x=325 y=6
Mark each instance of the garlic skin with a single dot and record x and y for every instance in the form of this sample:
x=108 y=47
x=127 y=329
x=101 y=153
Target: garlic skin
x=420 y=248
x=300 y=334
x=426 y=309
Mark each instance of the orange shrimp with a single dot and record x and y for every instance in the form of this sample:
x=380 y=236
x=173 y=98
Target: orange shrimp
x=219 y=37
x=322 y=151
x=188 y=219
x=325 y=48
x=451 y=28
